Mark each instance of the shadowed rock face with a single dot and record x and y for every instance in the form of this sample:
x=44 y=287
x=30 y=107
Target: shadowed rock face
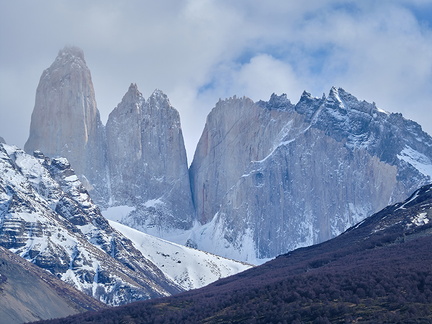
x=65 y=121
x=270 y=177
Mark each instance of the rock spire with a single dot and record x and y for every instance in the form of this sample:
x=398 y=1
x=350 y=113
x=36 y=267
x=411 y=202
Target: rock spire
x=65 y=120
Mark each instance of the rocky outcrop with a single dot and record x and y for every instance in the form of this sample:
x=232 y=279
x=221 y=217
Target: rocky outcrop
x=48 y=218
x=147 y=162
x=65 y=121
x=270 y=177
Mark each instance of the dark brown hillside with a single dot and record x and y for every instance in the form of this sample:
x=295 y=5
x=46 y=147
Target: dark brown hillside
x=379 y=271
x=29 y=293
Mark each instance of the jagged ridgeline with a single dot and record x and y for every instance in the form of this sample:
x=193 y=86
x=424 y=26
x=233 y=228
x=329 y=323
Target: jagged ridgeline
x=267 y=177
x=138 y=159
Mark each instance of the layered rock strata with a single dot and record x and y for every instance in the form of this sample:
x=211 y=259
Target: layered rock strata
x=48 y=218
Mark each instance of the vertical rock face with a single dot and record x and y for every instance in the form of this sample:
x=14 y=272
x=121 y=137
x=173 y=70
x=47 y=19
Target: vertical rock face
x=124 y=149
x=65 y=121
x=270 y=177
x=228 y=145
x=139 y=160
x=147 y=162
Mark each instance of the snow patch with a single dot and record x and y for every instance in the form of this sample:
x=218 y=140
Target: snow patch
x=117 y=213
x=153 y=203
x=418 y=160
x=420 y=219
x=71 y=178
x=188 y=267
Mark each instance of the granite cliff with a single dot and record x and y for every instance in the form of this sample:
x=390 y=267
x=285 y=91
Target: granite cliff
x=269 y=177
x=65 y=121
x=137 y=160
x=147 y=162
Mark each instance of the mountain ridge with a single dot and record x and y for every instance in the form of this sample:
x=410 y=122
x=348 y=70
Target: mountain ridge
x=266 y=178
x=48 y=218
x=271 y=193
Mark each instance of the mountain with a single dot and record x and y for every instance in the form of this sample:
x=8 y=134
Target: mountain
x=147 y=163
x=137 y=160
x=28 y=293
x=73 y=129
x=378 y=271
x=269 y=177
x=48 y=218
x=2 y=141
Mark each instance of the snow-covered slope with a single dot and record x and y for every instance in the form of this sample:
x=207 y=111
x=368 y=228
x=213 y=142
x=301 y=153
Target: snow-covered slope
x=188 y=267
x=48 y=218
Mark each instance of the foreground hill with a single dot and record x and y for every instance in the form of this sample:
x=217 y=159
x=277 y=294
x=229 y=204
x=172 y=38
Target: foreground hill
x=377 y=271
x=29 y=293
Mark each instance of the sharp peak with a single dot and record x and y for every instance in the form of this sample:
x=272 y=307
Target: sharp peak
x=71 y=51
x=159 y=96
x=336 y=91
x=333 y=91
x=158 y=93
x=133 y=95
x=133 y=89
x=275 y=96
x=234 y=98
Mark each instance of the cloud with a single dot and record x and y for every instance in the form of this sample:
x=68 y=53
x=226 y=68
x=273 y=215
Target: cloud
x=198 y=51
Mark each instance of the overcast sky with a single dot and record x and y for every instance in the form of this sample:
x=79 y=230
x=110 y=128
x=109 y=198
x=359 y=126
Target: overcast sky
x=198 y=51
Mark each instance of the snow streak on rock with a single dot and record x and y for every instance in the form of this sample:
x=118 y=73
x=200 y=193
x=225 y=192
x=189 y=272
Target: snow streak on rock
x=271 y=177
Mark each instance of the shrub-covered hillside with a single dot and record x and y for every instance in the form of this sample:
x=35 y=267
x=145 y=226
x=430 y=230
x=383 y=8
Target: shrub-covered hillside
x=377 y=271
